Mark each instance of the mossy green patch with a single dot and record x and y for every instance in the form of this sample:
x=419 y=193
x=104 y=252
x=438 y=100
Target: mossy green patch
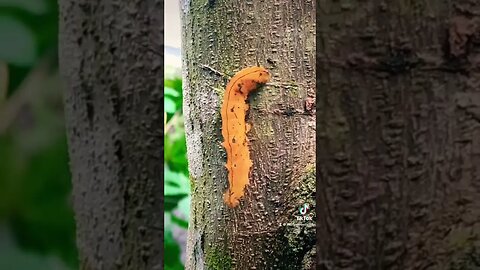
x=192 y=183
x=306 y=186
x=218 y=259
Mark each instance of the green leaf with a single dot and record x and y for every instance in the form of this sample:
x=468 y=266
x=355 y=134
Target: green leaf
x=176 y=183
x=171 y=92
x=171 y=202
x=180 y=222
x=17 y=45
x=170 y=106
x=175 y=152
x=184 y=208
x=176 y=84
x=172 y=250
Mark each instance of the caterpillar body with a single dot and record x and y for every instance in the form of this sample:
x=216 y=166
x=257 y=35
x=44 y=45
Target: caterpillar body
x=235 y=129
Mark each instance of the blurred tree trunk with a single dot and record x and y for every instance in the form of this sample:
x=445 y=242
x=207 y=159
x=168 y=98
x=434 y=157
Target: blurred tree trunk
x=228 y=36
x=114 y=119
x=399 y=133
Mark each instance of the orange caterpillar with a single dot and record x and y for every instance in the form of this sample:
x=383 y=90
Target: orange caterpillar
x=234 y=129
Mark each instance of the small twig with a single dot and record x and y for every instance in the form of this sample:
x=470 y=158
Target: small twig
x=214 y=71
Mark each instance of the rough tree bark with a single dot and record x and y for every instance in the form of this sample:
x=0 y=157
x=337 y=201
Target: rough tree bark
x=228 y=36
x=399 y=134
x=114 y=120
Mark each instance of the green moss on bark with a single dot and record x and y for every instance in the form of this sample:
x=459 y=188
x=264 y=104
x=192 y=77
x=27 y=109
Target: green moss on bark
x=218 y=259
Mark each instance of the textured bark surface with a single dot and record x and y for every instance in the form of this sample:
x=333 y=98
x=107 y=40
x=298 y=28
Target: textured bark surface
x=228 y=36
x=399 y=134
x=114 y=119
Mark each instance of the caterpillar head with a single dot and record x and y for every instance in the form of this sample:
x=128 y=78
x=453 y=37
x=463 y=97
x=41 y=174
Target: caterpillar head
x=250 y=78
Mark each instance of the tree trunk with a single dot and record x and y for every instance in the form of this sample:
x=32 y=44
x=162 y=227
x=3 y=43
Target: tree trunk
x=262 y=231
x=399 y=135
x=114 y=120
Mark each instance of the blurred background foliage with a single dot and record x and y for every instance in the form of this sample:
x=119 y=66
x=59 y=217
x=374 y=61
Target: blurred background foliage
x=37 y=229
x=177 y=184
